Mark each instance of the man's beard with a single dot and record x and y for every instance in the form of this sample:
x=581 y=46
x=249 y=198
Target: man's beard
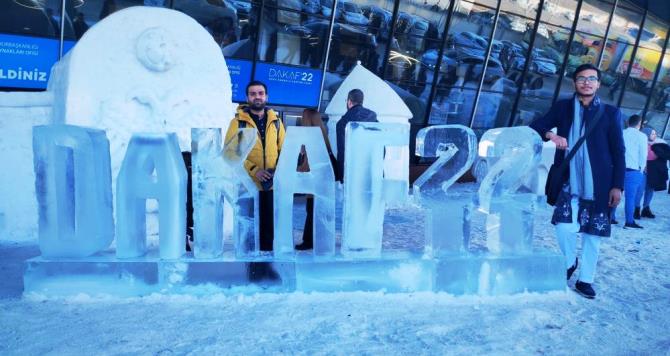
x=257 y=106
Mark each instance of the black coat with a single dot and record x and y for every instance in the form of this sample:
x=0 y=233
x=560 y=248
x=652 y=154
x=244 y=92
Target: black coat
x=356 y=113
x=605 y=145
x=657 y=170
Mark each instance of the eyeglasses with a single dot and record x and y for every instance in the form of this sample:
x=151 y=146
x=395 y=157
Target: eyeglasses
x=582 y=79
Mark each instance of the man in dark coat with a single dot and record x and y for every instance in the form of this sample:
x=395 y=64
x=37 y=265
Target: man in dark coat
x=596 y=173
x=355 y=112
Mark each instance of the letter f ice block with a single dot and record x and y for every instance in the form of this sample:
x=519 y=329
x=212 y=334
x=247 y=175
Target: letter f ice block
x=366 y=186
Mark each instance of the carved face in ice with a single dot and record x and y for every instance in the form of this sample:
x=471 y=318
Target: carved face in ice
x=154 y=50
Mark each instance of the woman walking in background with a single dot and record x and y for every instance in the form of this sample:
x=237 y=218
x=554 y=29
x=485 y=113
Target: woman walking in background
x=656 y=177
x=312 y=118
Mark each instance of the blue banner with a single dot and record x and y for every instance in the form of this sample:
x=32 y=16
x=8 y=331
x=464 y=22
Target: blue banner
x=240 y=76
x=287 y=85
x=25 y=62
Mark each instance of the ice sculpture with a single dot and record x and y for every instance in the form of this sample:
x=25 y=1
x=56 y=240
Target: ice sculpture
x=448 y=220
x=152 y=169
x=73 y=186
x=513 y=154
x=319 y=181
x=217 y=175
x=367 y=188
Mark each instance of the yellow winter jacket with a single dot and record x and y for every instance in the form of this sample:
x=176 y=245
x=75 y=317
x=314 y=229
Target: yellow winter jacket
x=261 y=156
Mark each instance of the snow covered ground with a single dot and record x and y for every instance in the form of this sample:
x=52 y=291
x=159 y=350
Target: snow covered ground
x=629 y=315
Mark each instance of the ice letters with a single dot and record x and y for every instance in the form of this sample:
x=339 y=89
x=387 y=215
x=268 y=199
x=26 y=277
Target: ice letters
x=513 y=155
x=217 y=175
x=319 y=181
x=152 y=168
x=366 y=187
x=448 y=221
x=74 y=191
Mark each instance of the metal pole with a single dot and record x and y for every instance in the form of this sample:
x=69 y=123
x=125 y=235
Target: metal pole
x=394 y=19
x=325 y=60
x=567 y=52
x=632 y=58
x=254 y=58
x=607 y=33
x=62 y=30
x=438 y=64
x=485 y=65
x=656 y=75
x=531 y=46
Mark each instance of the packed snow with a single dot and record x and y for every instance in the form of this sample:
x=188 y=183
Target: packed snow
x=629 y=315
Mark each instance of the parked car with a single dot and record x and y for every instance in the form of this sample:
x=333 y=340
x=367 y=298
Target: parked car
x=351 y=13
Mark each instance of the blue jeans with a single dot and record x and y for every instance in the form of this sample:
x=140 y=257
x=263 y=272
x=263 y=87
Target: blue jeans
x=645 y=191
x=632 y=183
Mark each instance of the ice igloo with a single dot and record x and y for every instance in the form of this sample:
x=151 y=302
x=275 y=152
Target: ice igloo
x=143 y=69
x=380 y=98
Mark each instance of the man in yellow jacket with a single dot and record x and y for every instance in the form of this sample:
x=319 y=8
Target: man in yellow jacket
x=262 y=160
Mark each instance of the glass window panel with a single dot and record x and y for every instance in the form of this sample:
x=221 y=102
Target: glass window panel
x=626 y=23
x=417 y=41
x=291 y=37
x=638 y=86
x=657 y=120
x=584 y=49
x=508 y=53
x=526 y=8
x=37 y=18
x=452 y=106
x=613 y=68
x=593 y=17
x=653 y=36
x=493 y=110
x=466 y=45
x=660 y=98
x=546 y=60
x=559 y=12
x=354 y=40
x=81 y=15
x=490 y=3
x=531 y=108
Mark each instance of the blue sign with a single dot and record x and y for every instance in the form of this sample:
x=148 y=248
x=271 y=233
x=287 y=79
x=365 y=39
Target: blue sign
x=295 y=86
x=25 y=62
x=240 y=76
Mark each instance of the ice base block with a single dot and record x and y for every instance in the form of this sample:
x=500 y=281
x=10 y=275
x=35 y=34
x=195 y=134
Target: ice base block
x=486 y=274
x=393 y=272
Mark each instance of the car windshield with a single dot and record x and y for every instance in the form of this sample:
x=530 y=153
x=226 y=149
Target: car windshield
x=351 y=7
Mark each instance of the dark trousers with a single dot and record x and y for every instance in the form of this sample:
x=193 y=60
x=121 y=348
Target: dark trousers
x=266 y=219
x=307 y=234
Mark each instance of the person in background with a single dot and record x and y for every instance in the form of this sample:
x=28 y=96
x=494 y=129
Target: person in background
x=596 y=172
x=311 y=118
x=636 y=162
x=656 y=176
x=355 y=112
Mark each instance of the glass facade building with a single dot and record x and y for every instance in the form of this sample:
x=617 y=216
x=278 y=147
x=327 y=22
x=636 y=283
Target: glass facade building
x=480 y=63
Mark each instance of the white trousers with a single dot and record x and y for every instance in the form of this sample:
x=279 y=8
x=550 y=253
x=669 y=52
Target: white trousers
x=566 y=233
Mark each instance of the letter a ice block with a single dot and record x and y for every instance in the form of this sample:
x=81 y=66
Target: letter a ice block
x=366 y=186
x=448 y=222
x=74 y=191
x=153 y=168
x=319 y=181
x=217 y=174
x=515 y=153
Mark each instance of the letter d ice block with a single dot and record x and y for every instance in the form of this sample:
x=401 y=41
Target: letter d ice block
x=153 y=168
x=74 y=190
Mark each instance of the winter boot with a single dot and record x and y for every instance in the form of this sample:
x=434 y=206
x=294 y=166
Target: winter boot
x=646 y=213
x=636 y=214
x=585 y=290
x=572 y=269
